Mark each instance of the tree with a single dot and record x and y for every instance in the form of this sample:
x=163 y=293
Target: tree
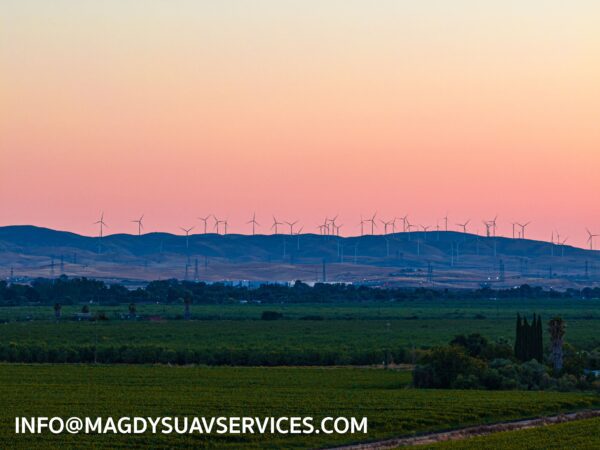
x=132 y=310
x=448 y=367
x=556 y=328
x=519 y=339
x=528 y=342
x=187 y=302
x=539 y=335
x=475 y=344
x=57 y=310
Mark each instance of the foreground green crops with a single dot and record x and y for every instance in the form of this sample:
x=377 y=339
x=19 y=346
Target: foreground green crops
x=584 y=434
x=382 y=396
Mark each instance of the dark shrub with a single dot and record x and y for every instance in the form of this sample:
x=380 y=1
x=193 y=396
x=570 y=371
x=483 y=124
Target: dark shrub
x=271 y=315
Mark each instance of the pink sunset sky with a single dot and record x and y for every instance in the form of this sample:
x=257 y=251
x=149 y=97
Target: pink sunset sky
x=301 y=109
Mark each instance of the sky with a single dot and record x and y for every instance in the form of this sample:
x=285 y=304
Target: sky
x=300 y=109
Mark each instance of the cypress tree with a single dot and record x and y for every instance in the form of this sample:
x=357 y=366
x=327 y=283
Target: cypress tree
x=526 y=340
x=540 y=340
x=519 y=339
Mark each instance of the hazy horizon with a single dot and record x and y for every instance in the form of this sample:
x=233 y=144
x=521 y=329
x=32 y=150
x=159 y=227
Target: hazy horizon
x=302 y=110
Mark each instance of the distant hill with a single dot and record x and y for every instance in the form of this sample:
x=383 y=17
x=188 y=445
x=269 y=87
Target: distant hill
x=445 y=259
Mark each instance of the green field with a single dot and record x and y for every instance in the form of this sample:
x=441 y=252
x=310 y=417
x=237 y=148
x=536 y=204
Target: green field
x=382 y=396
x=233 y=334
x=581 y=434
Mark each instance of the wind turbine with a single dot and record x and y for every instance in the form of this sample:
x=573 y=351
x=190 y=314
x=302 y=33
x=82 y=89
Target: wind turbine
x=445 y=222
x=591 y=238
x=102 y=224
x=523 y=226
x=404 y=222
x=225 y=222
x=562 y=246
x=332 y=222
x=487 y=227
x=275 y=224
x=385 y=225
x=490 y=224
x=464 y=225
x=217 y=222
x=338 y=228
x=187 y=236
x=513 y=225
x=298 y=237
x=253 y=222
x=362 y=225
x=325 y=226
x=373 y=224
x=140 y=225
x=205 y=220
x=291 y=225
x=425 y=229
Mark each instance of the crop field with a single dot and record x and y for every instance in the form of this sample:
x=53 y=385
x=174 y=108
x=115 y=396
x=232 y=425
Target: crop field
x=382 y=396
x=502 y=309
x=233 y=334
x=582 y=434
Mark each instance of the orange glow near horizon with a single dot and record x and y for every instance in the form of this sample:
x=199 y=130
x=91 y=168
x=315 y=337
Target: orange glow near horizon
x=300 y=110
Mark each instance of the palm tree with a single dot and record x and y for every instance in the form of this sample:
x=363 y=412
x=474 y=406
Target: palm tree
x=57 y=310
x=556 y=327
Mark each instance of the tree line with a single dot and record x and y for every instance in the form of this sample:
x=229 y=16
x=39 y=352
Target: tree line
x=66 y=291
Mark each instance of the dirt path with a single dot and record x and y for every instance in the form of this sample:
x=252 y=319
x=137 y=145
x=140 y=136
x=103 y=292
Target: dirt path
x=479 y=430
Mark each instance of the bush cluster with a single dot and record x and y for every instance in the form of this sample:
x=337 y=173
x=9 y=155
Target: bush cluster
x=471 y=362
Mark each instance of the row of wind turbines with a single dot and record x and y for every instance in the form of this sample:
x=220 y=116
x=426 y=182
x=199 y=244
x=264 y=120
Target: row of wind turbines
x=330 y=227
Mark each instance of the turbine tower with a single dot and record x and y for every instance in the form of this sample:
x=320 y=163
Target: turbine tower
x=254 y=223
x=140 y=225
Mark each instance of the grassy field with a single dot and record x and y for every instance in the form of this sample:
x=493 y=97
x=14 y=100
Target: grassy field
x=580 y=435
x=382 y=396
